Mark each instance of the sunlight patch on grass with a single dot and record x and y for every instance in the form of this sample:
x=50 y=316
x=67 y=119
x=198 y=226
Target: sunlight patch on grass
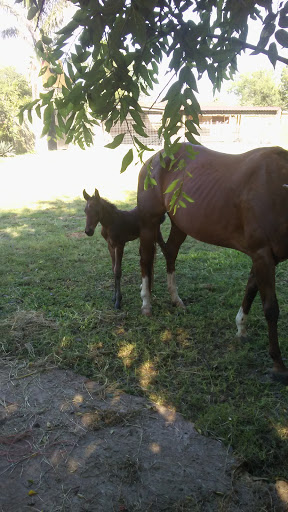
x=147 y=373
x=15 y=232
x=126 y=353
x=29 y=180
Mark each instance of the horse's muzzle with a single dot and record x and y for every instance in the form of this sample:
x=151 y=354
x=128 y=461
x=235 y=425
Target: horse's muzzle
x=89 y=232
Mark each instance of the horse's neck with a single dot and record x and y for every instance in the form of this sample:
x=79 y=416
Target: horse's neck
x=108 y=213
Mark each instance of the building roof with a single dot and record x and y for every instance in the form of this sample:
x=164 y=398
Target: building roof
x=213 y=108
x=216 y=108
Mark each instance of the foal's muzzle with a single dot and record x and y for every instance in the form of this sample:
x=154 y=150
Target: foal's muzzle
x=89 y=231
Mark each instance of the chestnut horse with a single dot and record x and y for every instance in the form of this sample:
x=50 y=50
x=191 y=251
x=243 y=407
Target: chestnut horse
x=118 y=227
x=240 y=202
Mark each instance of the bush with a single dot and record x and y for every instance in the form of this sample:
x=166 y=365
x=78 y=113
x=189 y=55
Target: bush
x=14 y=93
x=6 y=149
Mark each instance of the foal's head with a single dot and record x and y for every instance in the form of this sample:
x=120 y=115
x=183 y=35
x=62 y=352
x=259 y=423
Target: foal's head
x=92 y=210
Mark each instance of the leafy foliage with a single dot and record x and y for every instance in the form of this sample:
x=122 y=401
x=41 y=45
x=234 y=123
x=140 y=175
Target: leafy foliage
x=111 y=51
x=283 y=89
x=6 y=149
x=14 y=93
x=257 y=89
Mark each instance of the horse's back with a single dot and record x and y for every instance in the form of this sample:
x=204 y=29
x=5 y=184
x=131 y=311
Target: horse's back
x=235 y=197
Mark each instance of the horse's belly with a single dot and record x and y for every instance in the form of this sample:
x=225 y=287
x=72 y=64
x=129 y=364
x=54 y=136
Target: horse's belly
x=217 y=227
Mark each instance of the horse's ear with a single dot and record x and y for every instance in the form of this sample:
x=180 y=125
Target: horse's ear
x=85 y=195
x=96 y=194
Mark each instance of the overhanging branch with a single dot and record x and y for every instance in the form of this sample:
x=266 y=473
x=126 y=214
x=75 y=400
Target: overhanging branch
x=251 y=47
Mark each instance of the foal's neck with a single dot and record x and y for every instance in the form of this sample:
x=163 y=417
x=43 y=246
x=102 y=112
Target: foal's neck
x=108 y=213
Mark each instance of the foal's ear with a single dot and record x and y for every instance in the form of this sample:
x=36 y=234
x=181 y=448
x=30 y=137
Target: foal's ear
x=96 y=194
x=85 y=195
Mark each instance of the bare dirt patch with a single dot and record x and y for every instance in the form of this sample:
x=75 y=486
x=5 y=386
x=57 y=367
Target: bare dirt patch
x=68 y=444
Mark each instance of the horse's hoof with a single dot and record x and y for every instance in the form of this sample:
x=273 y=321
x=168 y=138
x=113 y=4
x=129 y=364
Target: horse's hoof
x=280 y=376
x=117 y=305
x=242 y=338
x=146 y=311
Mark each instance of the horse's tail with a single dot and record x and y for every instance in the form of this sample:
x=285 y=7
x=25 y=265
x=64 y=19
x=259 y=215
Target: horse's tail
x=160 y=239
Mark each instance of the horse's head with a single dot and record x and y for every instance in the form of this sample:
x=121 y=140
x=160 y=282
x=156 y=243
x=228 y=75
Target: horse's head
x=92 y=210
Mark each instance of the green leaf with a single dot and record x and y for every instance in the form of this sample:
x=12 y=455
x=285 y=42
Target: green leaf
x=48 y=113
x=38 y=111
x=186 y=76
x=281 y=37
x=149 y=181
x=188 y=198
x=61 y=123
x=273 y=54
x=47 y=40
x=190 y=138
x=83 y=56
x=173 y=91
x=32 y=12
x=128 y=158
x=171 y=186
x=45 y=130
x=21 y=116
x=43 y=71
x=71 y=71
x=46 y=97
x=68 y=29
x=50 y=82
x=142 y=146
x=138 y=129
x=116 y=141
x=137 y=118
x=69 y=122
x=190 y=125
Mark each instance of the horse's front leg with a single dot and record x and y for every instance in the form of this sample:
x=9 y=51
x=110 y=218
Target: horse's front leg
x=119 y=249
x=170 y=251
x=148 y=236
x=264 y=270
x=250 y=294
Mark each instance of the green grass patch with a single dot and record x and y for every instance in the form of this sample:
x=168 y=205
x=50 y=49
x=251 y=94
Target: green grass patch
x=57 y=286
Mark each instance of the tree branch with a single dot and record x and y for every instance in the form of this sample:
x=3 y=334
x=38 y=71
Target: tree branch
x=251 y=47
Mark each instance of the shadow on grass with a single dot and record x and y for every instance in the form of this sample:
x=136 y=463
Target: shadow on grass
x=57 y=290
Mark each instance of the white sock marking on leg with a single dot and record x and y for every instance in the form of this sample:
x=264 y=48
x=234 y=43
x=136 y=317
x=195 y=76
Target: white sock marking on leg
x=172 y=288
x=241 y=320
x=145 y=296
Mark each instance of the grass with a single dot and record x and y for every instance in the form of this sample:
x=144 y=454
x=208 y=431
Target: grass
x=57 y=304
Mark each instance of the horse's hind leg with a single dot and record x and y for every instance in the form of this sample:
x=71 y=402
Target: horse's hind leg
x=172 y=246
x=148 y=236
x=264 y=269
x=250 y=294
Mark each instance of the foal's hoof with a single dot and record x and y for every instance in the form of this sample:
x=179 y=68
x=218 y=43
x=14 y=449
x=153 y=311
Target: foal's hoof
x=280 y=376
x=179 y=304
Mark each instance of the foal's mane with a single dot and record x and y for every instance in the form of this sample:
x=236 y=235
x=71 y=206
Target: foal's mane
x=109 y=210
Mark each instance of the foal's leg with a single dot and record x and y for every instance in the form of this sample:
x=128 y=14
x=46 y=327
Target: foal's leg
x=112 y=254
x=118 y=273
x=172 y=246
x=264 y=269
x=148 y=236
x=250 y=294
